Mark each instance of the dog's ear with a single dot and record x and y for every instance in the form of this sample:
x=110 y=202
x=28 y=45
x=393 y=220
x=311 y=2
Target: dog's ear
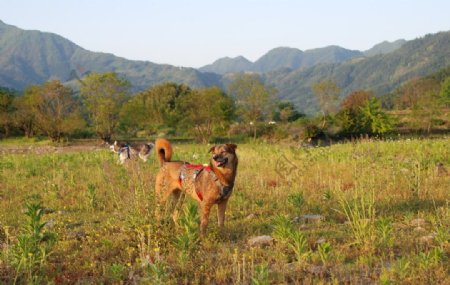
x=115 y=142
x=212 y=149
x=232 y=146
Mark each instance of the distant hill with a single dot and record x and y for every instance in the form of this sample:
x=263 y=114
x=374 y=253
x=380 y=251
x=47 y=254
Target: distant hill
x=228 y=65
x=380 y=73
x=32 y=57
x=282 y=58
x=384 y=47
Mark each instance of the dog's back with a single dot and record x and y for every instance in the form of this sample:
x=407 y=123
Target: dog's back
x=129 y=150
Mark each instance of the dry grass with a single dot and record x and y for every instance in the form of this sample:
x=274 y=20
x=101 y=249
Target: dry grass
x=369 y=194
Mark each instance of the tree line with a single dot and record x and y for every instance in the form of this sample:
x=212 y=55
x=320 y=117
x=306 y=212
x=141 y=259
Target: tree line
x=105 y=107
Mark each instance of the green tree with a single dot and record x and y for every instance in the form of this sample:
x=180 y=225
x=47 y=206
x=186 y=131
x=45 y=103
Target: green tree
x=374 y=119
x=327 y=95
x=104 y=95
x=254 y=100
x=24 y=118
x=286 y=112
x=154 y=108
x=350 y=117
x=206 y=112
x=6 y=110
x=55 y=110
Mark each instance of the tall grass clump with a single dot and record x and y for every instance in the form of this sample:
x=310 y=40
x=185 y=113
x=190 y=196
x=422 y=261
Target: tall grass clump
x=293 y=239
x=187 y=238
x=360 y=215
x=33 y=247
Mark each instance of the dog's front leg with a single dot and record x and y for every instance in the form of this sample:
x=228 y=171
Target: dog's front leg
x=221 y=207
x=204 y=218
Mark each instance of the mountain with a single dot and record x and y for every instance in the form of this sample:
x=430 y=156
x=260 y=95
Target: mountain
x=384 y=47
x=282 y=58
x=228 y=65
x=380 y=73
x=33 y=57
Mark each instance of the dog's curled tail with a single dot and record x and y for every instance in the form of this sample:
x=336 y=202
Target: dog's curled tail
x=163 y=150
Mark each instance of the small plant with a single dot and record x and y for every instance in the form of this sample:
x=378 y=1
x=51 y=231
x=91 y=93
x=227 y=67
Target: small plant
x=296 y=199
x=384 y=233
x=327 y=195
x=282 y=228
x=427 y=260
x=33 y=245
x=415 y=179
x=442 y=237
x=324 y=250
x=259 y=202
x=188 y=239
x=299 y=245
x=295 y=240
x=92 y=195
x=401 y=268
x=157 y=273
x=261 y=275
x=116 y=271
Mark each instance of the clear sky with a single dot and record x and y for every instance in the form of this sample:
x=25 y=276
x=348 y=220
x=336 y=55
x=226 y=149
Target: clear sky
x=197 y=32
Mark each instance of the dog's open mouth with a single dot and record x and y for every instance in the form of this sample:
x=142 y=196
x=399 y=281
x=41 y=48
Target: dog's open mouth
x=220 y=161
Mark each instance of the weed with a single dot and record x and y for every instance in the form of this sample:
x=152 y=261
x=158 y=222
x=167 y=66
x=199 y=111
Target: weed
x=401 y=268
x=261 y=275
x=186 y=241
x=282 y=228
x=299 y=244
x=116 y=271
x=324 y=251
x=360 y=213
x=327 y=195
x=92 y=195
x=296 y=200
x=157 y=273
x=385 y=233
x=426 y=260
x=33 y=246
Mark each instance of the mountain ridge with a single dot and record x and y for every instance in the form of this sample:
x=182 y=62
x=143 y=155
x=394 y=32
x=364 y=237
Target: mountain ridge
x=33 y=57
x=294 y=58
x=380 y=73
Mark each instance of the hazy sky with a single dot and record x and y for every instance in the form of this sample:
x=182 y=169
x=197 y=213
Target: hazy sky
x=197 y=32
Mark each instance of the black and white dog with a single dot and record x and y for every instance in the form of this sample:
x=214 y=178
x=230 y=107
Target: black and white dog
x=130 y=151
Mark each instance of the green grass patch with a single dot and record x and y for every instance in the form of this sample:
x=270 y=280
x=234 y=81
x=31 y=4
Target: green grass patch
x=384 y=211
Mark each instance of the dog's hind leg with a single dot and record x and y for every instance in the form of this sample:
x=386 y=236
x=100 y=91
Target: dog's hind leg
x=177 y=198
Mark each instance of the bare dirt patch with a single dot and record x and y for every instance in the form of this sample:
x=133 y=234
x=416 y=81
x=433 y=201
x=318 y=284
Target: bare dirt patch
x=50 y=149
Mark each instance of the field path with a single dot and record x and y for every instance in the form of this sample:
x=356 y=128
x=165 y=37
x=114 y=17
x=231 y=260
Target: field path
x=11 y=149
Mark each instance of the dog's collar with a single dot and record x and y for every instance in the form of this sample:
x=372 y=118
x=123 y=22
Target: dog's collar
x=225 y=190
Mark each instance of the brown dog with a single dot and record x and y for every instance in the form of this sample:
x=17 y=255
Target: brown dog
x=208 y=185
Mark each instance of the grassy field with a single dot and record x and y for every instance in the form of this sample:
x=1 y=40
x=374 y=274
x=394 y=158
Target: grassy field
x=357 y=213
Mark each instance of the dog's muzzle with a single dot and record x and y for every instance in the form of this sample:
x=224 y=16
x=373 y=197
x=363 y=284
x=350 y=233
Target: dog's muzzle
x=220 y=161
